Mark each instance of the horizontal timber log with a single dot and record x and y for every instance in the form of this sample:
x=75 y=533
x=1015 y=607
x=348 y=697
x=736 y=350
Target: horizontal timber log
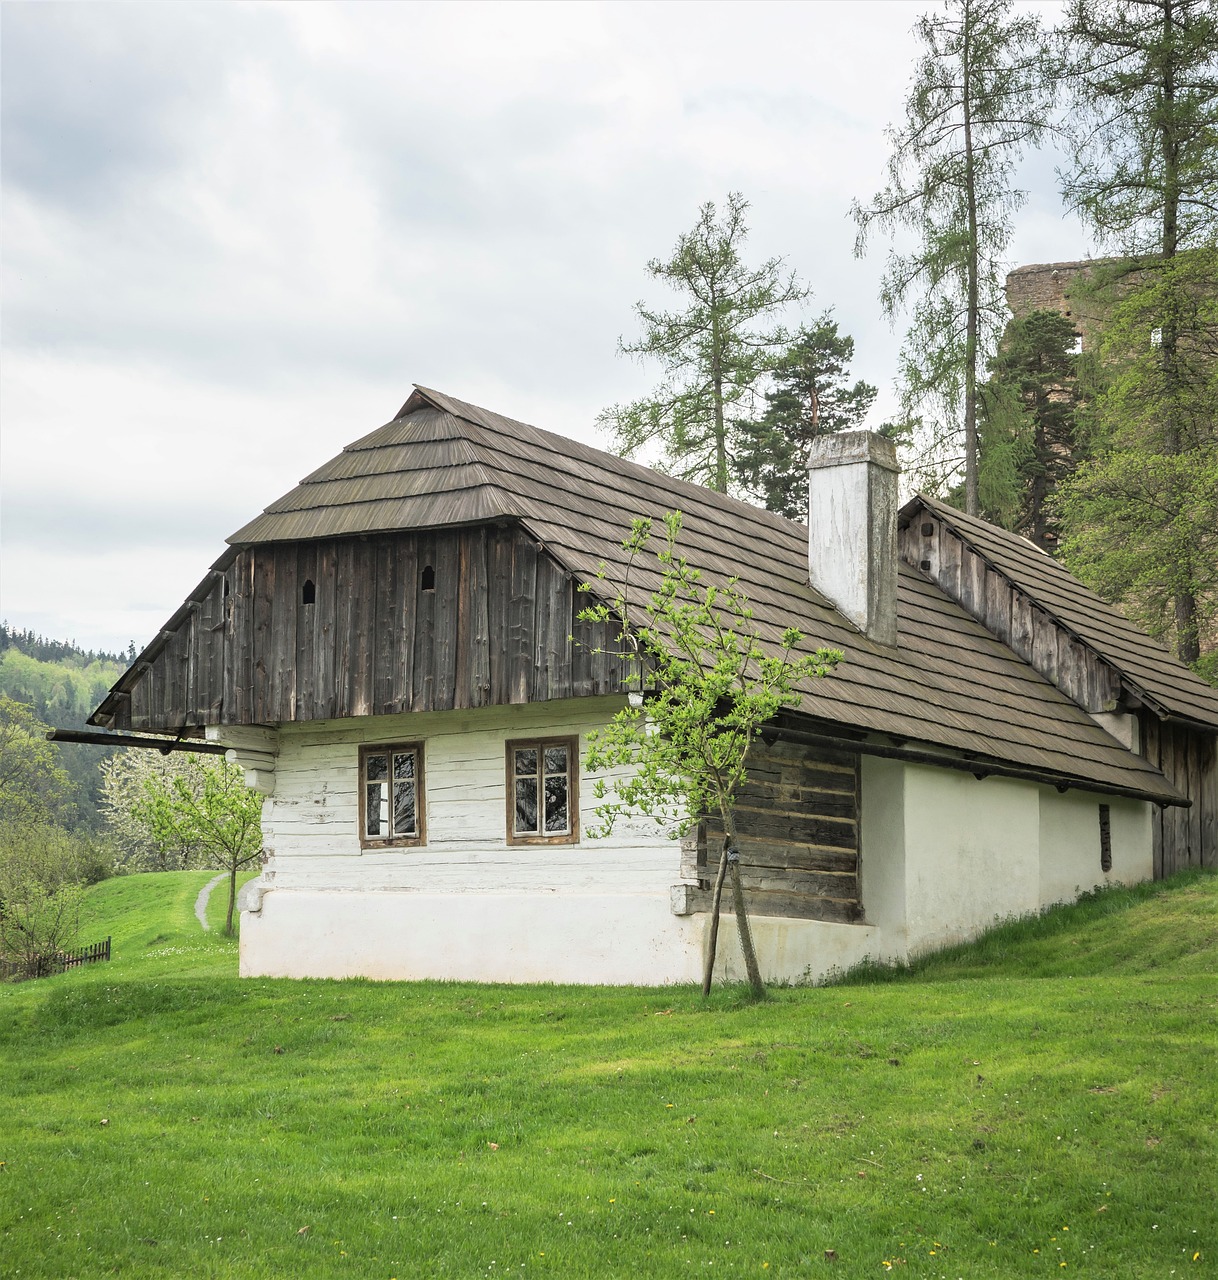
x=799 y=906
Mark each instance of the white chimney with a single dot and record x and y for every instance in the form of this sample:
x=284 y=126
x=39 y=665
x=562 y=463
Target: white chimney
x=852 y=528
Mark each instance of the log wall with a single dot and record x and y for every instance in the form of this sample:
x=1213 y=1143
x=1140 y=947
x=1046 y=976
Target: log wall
x=495 y=629
x=797 y=826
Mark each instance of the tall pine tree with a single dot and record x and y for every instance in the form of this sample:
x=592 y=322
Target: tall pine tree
x=810 y=395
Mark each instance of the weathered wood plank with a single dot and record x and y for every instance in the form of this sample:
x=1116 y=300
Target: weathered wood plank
x=363 y=627
x=797 y=905
x=306 y=670
x=424 y=680
x=521 y=620
x=476 y=662
x=498 y=608
x=282 y=661
x=406 y=606
x=386 y=625
x=447 y=594
x=1044 y=645
x=951 y=553
x=325 y=632
x=756 y=852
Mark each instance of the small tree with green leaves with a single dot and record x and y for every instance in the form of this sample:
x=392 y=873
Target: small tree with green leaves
x=208 y=806
x=40 y=891
x=708 y=686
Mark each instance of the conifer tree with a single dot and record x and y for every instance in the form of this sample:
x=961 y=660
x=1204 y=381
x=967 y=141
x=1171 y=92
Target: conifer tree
x=1145 y=180
x=979 y=97
x=810 y=395
x=1029 y=425
x=713 y=352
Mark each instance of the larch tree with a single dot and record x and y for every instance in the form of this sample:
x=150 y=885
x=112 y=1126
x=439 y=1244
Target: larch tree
x=980 y=95
x=1029 y=425
x=713 y=352
x=1144 y=79
x=809 y=394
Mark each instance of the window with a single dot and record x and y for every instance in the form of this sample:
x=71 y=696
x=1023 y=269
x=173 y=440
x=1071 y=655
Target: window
x=1105 y=838
x=543 y=791
x=391 y=796
x=308 y=593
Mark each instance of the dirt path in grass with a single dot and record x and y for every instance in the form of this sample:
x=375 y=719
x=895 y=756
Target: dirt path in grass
x=201 y=900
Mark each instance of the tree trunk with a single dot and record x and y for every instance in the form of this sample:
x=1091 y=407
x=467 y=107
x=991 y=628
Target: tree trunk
x=232 y=899
x=972 y=499
x=713 y=942
x=1184 y=599
x=717 y=394
x=729 y=860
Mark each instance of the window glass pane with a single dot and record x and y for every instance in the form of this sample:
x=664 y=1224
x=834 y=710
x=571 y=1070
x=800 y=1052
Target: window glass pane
x=404 y=809
x=403 y=765
x=526 y=761
x=556 y=759
x=526 y=806
x=556 y=804
x=376 y=766
x=372 y=808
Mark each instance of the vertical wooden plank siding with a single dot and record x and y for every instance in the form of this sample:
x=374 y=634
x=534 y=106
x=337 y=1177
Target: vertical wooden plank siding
x=446 y=598
x=494 y=629
x=423 y=698
x=522 y=611
x=476 y=627
x=306 y=669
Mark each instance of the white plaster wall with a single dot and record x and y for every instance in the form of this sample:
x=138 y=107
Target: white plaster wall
x=311 y=822
x=791 y=950
x=1070 y=843
x=483 y=937
x=882 y=854
x=943 y=856
x=971 y=853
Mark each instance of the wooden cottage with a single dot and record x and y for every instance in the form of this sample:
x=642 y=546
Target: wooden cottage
x=392 y=652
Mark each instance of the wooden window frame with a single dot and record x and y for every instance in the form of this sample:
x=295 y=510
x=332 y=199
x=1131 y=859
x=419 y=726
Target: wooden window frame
x=420 y=792
x=520 y=744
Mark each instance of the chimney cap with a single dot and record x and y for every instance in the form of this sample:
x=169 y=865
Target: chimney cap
x=846 y=448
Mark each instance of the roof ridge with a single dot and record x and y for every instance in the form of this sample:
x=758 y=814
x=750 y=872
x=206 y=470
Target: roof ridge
x=567 y=445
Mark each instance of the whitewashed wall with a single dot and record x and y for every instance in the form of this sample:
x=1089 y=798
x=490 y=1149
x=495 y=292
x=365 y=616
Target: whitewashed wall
x=943 y=857
x=946 y=855
x=466 y=905
x=311 y=822
x=1070 y=843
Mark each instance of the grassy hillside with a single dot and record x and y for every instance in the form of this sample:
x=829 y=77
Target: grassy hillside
x=1040 y=1104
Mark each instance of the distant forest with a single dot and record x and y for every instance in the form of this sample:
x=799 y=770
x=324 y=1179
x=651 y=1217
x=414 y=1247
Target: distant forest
x=62 y=684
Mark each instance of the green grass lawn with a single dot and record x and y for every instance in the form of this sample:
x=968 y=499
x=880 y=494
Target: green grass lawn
x=1040 y=1104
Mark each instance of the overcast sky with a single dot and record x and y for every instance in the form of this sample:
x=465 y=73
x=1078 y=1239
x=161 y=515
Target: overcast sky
x=235 y=234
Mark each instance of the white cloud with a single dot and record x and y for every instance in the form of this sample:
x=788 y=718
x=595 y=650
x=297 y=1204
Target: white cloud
x=234 y=235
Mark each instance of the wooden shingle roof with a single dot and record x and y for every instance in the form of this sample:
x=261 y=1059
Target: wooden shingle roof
x=948 y=682
x=1158 y=678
